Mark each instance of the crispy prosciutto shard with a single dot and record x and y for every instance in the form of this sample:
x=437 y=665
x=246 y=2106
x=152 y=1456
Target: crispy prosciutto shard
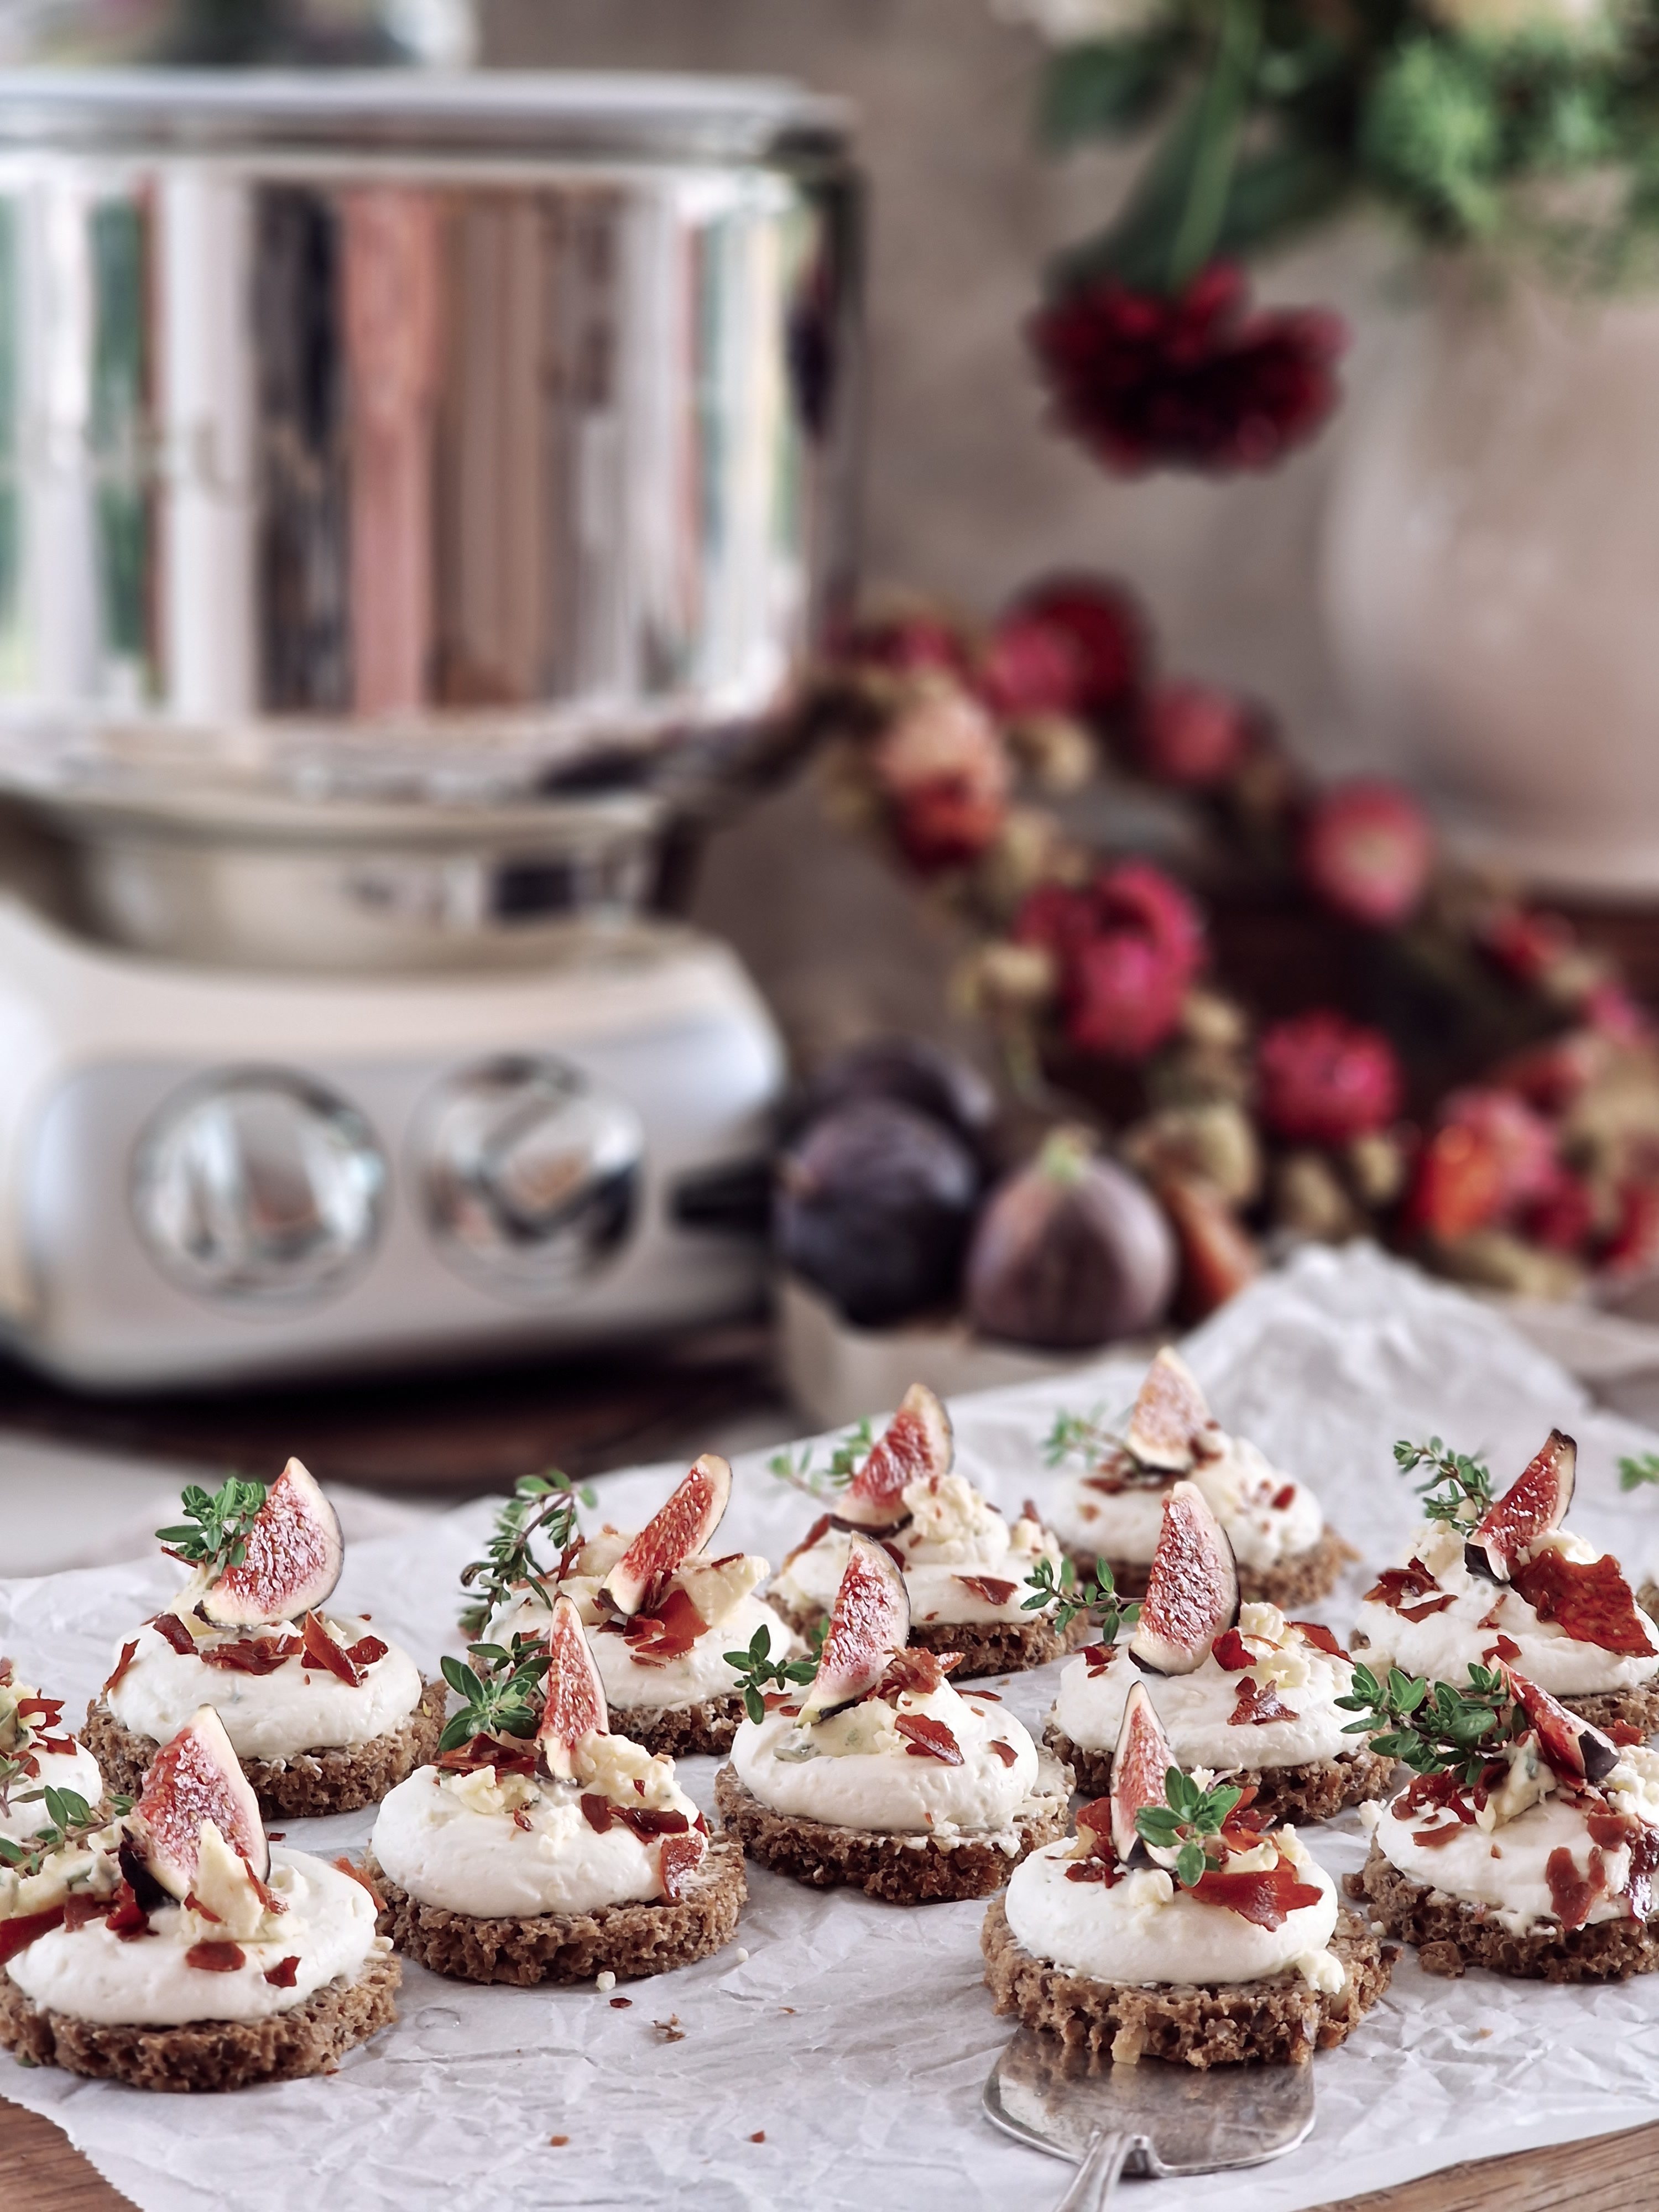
x=1534 y=1503
x=1192 y=1588
x=291 y=1561
x=1588 y=1600
x=1170 y=1416
x=573 y=1706
x=869 y=1622
x=683 y=1526
x=1257 y=1704
x=196 y=1779
x=1572 y=1747
x=1140 y=1766
x=917 y=1442
x=1266 y=1898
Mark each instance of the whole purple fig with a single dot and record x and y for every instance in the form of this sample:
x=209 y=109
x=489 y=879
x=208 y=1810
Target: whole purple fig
x=1070 y=1252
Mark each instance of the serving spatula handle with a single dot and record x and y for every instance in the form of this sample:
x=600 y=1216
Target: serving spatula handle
x=1103 y=2162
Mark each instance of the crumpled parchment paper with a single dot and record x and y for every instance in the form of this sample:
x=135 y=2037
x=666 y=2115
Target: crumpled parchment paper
x=855 y=2037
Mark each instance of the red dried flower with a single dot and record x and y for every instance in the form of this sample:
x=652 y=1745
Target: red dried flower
x=1521 y=1142
x=904 y=644
x=1529 y=946
x=1122 y=997
x=1194 y=736
x=1030 y=667
x=1126 y=948
x=1196 y=381
x=943 y=766
x=1102 y=632
x=1141 y=897
x=1321 y=1080
x=1368 y=851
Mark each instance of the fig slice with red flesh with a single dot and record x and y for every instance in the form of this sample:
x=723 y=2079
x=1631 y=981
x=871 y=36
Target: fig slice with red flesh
x=1192 y=1587
x=195 y=1778
x=573 y=1706
x=683 y=1526
x=1170 y=1416
x=1536 y=1503
x=1570 y=1744
x=291 y=1561
x=1140 y=1765
x=917 y=1442
x=869 y=1621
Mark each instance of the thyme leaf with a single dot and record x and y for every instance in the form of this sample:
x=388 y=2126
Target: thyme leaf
x=1187 y=1823
x=1458 y=1488
x=1097 y=1599
x=849 y=1453
x=214 y=1531
x=757 y=1671
x=542 y=1505
x=500 y=1692
x=1634 y=1472
x=1435 y=1728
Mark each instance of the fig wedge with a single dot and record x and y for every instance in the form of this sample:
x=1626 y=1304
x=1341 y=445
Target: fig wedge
x=1192 y=1587
x=291 y=1562
x=196 y=1778
x=1170 y=1416
x=1536 y=1502
x=916 y=1442
x=573 y=1707
x=869 y=1621
x=683 y=1526
x=1140 y=1764
x=1570 y=1744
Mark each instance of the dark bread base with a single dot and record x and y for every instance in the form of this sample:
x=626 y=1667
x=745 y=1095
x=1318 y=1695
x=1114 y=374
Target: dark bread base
x=337 y=1780
x=1317 y=1791
x=904 y=1869
x=208 y=2054
x=625 y=1940
x=1450 y=1937
x=1281 y=2022
x=679 y=1730
x=1300 y=1581
x=985 y=1647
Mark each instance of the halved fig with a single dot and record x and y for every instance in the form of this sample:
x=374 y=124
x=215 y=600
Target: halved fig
x=683 y=1526
x=1192 y=1587
x=196 y=1778
x=916 y=1442
x=869 y=1621
x=1169 y=1415
x=573 y=1706
x=1570 y=1744
x=1139 y=1766
x=291 y=1562
x=1532 y=1506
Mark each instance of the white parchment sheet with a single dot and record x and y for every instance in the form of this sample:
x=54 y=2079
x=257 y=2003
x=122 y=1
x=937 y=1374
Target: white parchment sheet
x=856 y=2036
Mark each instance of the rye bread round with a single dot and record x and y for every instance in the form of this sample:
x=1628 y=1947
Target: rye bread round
x=1451 y=1935
x=1316 y=1791
x=1279 y=2020
x=904 y=1869
x=984 y=1647
x=626 y=1940
x=1300 y=1580
x=678 y=1730
x=208 y=2054
x=339 y=1779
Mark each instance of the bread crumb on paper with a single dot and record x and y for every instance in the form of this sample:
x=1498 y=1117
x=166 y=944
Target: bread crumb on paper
x=605 y=1982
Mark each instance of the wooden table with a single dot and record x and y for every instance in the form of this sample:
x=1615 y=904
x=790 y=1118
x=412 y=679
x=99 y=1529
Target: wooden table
x=459 y=1434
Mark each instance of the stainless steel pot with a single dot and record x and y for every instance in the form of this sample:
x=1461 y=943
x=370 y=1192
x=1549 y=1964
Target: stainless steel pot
x=417 y=445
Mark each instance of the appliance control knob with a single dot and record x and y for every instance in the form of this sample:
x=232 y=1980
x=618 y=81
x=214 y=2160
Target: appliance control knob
x=259 y=1186
x=532 y=1175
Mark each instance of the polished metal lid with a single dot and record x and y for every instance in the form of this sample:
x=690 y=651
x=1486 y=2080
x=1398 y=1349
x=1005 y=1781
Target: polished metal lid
x=631 y=116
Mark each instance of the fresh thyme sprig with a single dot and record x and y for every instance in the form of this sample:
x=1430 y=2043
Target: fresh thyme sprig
x=757 y=1671
x=850 y=1452
x=1634 y=1472
x=1435 y=1728
x=1097 y=1599
x=499 y=1692
x=1455 y=1481
x=70 y=1821
x=215 y=1532
x=542 y=1505
x=1189 y=1818
x=1086 y=1437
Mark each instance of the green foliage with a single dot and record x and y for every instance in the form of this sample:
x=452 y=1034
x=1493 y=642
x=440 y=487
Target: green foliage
x=1186 y=1822
x=1458 y=1489
x=1634 y=1472
x=542 y=1505
x=1433 y=1728
x=1098 y=1599
x=69 y=1821
x=214 y=1531
x=500 y=1692
x=850 y=1451
x=757 y=1671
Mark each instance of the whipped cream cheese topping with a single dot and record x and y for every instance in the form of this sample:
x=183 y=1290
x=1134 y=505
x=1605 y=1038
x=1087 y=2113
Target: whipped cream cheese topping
x=859 y=1769
x=1197 y=1709
x=28 y=1724
x=663 y=1667
x=1447 y=1637
x=1117 y=1508
x=90 y=1973
x=293 y=1709
x=1142 y=1928
x=496 y=1844
x=962 y=1561
x=1535 y=1854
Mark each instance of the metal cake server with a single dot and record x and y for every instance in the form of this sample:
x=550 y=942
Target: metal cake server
x=1151 y=2119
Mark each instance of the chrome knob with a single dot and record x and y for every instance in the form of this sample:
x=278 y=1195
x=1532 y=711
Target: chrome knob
x=259 y=1186
x=532 y=1175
